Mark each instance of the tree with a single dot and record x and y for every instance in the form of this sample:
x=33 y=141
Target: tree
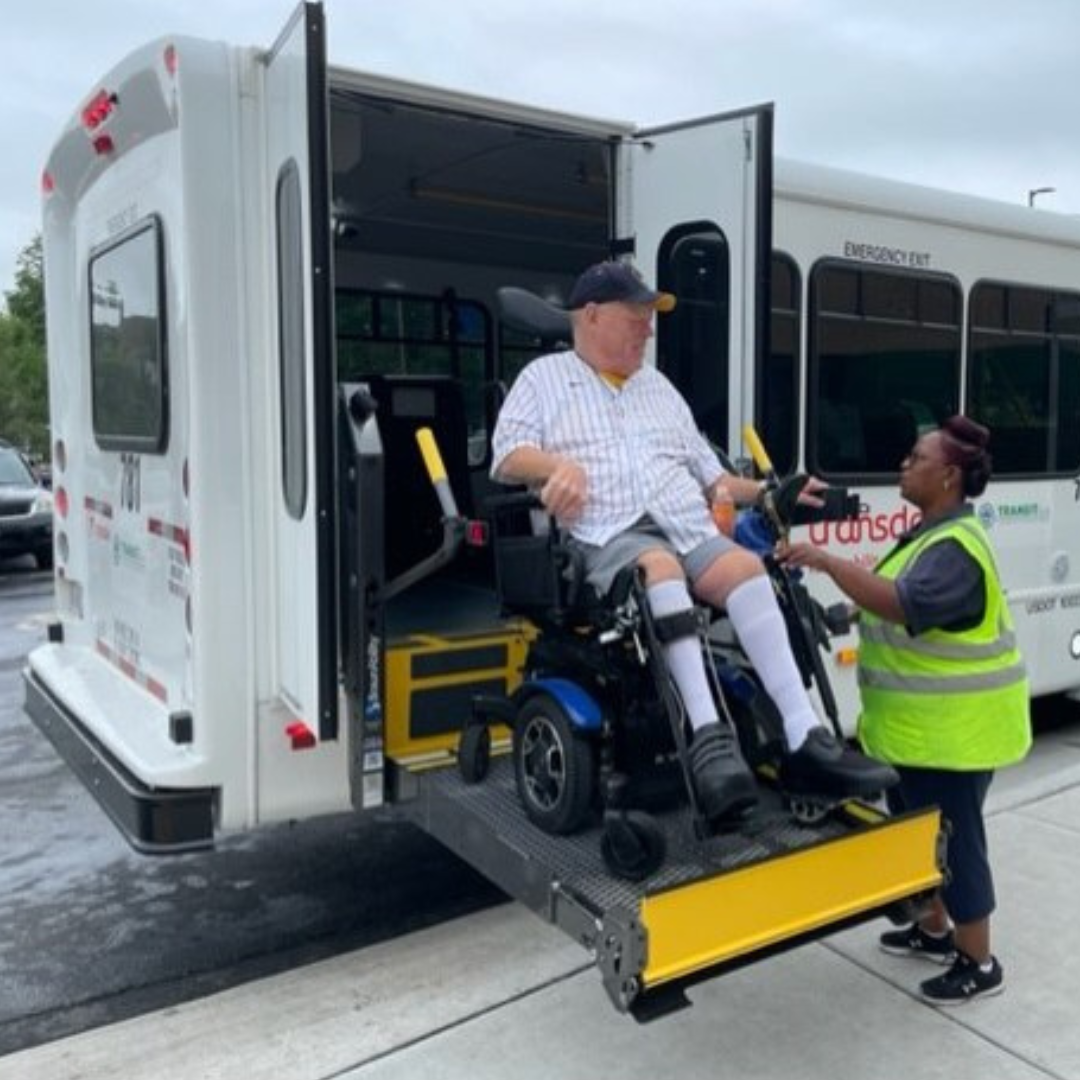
x=26 y=302
x=24 y=402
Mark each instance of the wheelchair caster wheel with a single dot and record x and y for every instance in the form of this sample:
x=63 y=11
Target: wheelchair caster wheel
x=632 y=846
x=809 y=811
x=474 y=753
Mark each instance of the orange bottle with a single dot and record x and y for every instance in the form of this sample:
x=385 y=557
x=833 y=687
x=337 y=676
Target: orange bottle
x=723 y=511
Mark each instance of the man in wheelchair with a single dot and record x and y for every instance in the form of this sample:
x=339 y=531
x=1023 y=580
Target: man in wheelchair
x=614 y=452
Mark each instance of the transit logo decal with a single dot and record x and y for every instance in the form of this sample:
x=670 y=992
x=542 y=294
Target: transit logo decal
x=1019 y=513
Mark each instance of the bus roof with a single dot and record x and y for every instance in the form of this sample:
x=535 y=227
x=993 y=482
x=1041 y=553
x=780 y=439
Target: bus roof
x=801 y=181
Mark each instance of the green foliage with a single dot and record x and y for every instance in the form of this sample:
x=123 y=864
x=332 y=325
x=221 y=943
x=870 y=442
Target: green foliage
x=24 y=400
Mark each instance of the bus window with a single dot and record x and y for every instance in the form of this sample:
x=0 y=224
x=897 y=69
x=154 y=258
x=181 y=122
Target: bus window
x=381 y=333
x=884 y=365
x=777 y=391
x=291 y=335
x=1024 y=376
x=692 y=342
x=127 y=343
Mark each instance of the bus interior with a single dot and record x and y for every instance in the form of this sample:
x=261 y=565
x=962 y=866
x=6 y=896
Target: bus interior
x=432 y=212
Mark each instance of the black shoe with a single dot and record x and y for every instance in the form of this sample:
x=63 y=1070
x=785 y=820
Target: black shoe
x=914 y=941
x=964 y=982
x=823 y=765
x=725 y=786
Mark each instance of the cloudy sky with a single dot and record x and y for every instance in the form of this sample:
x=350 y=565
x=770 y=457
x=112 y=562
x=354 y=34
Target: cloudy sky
x=975 y=95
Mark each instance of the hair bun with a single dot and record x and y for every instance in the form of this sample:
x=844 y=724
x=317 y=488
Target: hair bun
x=967 y=431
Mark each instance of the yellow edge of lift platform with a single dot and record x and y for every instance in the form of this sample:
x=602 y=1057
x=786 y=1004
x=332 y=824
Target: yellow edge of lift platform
x=747 y=910
x=715 y=902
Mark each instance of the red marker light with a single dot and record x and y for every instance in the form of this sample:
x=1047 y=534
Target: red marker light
x=103 y=144
x=98 y=110
x=170 y=59
x=300 y=735
x=47 y=183
x=476 y=533
x=61 y=502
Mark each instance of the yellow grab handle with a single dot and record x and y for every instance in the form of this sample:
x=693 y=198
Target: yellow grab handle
x=757 y=449
x=429 y=450
x=433 y=462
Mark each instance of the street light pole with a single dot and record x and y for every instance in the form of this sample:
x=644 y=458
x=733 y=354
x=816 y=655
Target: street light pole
x=1038 y=191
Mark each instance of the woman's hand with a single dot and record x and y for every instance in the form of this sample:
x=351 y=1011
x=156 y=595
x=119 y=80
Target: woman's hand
x=807 y=556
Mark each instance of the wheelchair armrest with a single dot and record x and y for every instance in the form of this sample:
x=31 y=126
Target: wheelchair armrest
x=537 y=571
x=513 y=500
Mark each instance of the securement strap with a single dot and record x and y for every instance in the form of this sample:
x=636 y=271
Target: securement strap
x=679 y=624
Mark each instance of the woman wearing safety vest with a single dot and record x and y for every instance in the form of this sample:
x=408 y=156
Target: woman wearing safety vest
x=944 y=692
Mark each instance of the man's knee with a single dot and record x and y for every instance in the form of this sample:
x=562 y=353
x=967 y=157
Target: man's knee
x=659 y=565
x=726 y=573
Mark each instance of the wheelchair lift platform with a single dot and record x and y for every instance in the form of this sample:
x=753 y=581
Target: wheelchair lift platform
x=713 y=904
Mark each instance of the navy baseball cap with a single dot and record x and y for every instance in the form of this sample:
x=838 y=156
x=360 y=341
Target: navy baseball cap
x=613 y=282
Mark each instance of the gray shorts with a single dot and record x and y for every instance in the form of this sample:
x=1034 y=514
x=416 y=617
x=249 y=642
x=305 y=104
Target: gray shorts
x=603 y=562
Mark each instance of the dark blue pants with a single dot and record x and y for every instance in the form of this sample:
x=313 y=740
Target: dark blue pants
x=969 y=894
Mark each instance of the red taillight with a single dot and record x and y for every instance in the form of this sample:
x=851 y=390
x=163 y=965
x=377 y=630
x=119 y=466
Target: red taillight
x=300 y=735
x=169 y=57
x=98 y=109
x=47 y=183
x=61 y=501
x=476 y=533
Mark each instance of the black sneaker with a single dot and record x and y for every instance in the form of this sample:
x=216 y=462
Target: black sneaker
x=914 y=941
x=964 y=981
x=725 y=786
x=823 y=765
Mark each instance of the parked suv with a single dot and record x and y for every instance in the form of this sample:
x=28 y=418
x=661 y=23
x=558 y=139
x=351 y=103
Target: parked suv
x=26 y=510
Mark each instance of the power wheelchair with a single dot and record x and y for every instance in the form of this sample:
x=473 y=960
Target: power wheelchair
x=598 y=726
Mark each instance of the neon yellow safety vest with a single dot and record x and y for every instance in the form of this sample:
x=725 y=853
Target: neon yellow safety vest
x=942 y=699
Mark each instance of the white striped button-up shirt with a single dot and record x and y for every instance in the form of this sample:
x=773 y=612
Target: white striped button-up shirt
x=638 y=444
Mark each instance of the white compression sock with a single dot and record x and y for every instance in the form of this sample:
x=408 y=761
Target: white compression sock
x=684 y=655
x=756 y=617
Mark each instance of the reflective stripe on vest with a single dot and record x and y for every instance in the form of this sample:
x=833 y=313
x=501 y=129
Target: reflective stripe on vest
x=929 y=684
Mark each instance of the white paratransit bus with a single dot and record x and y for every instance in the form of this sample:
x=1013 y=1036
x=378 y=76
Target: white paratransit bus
x=264 y=273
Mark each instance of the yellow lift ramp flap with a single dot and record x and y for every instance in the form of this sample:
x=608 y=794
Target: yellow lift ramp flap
x=738 y=896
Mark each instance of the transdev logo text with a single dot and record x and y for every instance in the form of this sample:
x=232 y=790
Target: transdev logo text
x=866 y=528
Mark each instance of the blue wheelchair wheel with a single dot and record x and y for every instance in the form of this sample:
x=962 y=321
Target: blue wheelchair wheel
x=554 y=765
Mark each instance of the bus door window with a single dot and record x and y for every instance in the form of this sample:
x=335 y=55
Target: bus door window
x=692 y=348
x=776 y=392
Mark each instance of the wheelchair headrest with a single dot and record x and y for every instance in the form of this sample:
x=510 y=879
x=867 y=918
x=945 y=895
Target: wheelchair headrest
x=525 y=311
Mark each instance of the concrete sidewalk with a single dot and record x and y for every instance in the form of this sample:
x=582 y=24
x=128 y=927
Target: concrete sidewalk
x=502 y=994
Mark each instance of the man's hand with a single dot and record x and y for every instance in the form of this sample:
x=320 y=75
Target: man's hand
x=792 y=490
x=565 y=490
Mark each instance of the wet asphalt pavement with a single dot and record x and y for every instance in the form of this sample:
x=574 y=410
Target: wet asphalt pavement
x=91 y=932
